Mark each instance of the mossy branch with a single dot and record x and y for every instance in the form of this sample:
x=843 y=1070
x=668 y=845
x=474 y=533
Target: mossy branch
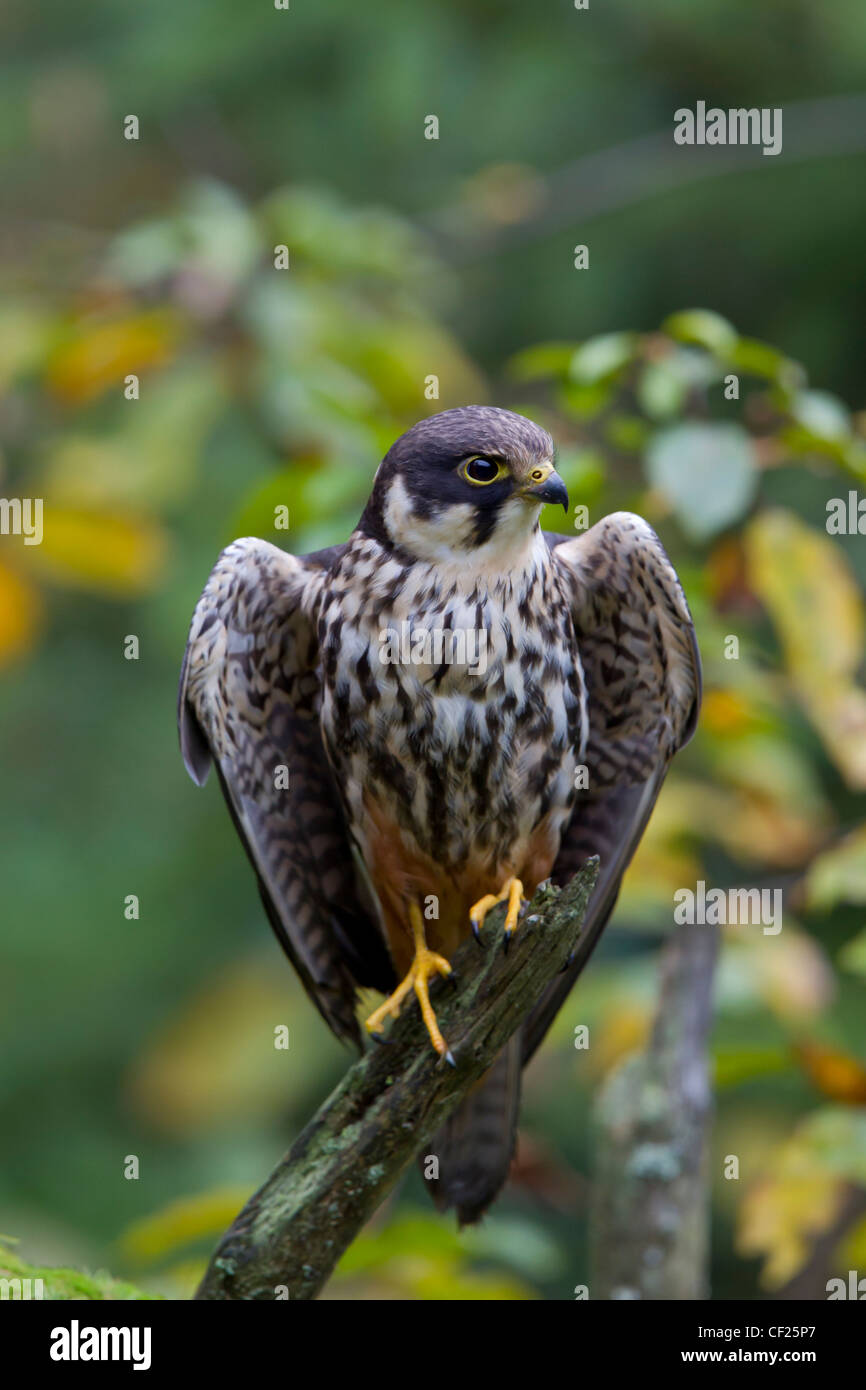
x=292 y=1232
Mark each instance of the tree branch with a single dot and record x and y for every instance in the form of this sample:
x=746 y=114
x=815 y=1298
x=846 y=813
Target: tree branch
x=292 y=1232
x=650 y=1207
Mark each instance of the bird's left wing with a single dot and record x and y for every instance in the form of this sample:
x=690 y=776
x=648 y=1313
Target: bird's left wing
x=249 y=699
x=640 y=658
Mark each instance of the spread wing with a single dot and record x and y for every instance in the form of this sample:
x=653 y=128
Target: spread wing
x=643 y=675
x=249 y=701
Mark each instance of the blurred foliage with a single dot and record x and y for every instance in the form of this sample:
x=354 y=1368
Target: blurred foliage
x=65 y=1285
x=260 y=389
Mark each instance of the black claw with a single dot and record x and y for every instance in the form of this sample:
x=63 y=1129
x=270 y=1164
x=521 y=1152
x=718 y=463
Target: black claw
x=569 y=962
x=381 y=1039
x=476 y=931
x=452 y=979
x=508 y=936
x=449 y=1058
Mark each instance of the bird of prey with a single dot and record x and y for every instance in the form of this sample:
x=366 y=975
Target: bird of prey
x=374 y=763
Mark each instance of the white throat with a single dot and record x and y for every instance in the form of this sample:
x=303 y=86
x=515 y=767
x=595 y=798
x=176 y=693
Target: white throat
x=445 y=541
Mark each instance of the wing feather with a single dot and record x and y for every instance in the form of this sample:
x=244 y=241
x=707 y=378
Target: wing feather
x=642 y=668
x=249 y=700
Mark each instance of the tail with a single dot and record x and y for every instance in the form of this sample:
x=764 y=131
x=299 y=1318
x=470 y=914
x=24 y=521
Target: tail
x=475 y=1146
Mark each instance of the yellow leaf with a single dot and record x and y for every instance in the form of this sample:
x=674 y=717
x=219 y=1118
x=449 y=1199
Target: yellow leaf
x=812 y=1172
x=755 y=827
x=203 y=1216
x=804 y=581
x=99 y=355
x=216 y=1059
x=727 y=712
x=109 y=553
x=20 y=615
x=662 y=861
x=761 y=831
x=789 y=972
x=623 y=1030
x=149 y=458
x=854 y=1247
x=657 y=870
x=780 y=1217
x=839 y=715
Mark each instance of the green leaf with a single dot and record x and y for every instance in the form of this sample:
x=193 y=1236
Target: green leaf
x=26 y=334
x=211 y=231
x=759 y=359
x=732 y=1066
x=660 y=391
x=701 y=326
x=707 y=473
x=583 y=471
x=853 y=954
x=602 y=357
x=836 y=1137
x=584 y=402
x=854 y=458
x=544 y=359
x=839 y=875
x=627 y=432
x=822 y=414
x=692 y=367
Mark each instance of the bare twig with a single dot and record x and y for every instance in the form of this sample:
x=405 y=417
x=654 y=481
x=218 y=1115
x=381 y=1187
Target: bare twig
x=292 y=1232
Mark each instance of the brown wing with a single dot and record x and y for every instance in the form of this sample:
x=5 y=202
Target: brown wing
x=249 y=699
x=643 y=674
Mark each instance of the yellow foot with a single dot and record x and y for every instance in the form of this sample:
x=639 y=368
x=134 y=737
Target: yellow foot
x=513 y=891
x=426 y=964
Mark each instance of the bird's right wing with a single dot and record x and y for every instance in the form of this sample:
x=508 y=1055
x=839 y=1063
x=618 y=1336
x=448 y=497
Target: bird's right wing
x=249 y=700
x=640 y=658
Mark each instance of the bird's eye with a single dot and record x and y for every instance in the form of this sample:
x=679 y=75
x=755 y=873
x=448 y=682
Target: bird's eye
x=481 y=470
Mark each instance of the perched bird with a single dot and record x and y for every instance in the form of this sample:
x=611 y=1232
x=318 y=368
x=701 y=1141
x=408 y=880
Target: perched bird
x=434 y=717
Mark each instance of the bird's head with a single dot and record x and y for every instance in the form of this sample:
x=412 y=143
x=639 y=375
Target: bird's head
x=468 y=482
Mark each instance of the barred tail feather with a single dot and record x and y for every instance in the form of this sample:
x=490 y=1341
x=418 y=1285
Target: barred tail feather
x=476 y=1144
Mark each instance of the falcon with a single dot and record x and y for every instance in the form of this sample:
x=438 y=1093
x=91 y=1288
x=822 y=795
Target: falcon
x=435 y=717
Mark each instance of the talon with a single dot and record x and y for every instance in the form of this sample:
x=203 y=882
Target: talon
x=426 y=964
x=478 y=913
x=513 y=892
x=449 y=1058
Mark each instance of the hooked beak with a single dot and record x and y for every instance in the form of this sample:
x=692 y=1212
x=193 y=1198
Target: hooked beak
x=550 y=489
